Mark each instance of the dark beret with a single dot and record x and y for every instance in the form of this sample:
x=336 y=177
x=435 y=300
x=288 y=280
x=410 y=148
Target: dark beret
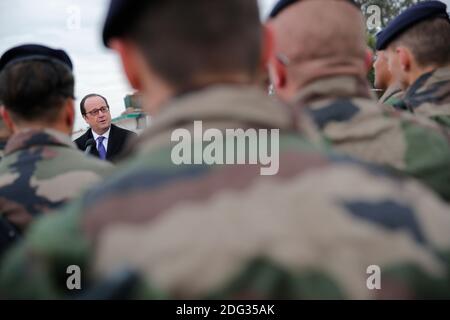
x=34 y=51
x=410 y=17
x=280 y=6
x=283 y=4
x=121 y=17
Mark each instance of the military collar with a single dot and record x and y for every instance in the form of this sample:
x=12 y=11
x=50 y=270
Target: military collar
x=34 y=138
x=418 y=91
x=427 y=79
x=442 y=74
x=391 y=91
x=334 y=87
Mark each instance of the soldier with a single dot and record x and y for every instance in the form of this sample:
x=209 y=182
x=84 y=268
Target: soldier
x=326 y=80
x=392 y=92
x=418 y=50
x=42 y=168
x=225 y=231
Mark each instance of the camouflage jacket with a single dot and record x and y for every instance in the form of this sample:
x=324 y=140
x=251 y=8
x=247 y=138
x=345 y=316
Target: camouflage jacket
x=40 y=171
x=224 y=231
x=430 y=96
x=354 y=124
x=392 y=96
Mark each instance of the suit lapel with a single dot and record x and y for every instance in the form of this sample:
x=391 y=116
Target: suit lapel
x=112 y=143
x=94 y=150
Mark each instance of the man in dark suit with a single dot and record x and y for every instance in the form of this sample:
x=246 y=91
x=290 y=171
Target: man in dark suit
x=107 y=140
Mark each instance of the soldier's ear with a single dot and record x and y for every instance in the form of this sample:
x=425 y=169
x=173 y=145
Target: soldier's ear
x=277 y=71
x=405 y=58
x=268 y=45
x=7 y=119
x=130 y=61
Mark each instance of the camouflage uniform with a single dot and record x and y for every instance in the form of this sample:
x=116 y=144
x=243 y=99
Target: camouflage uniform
x=392 y=96
x=225 y=231
x=353 y=123
x=41 y=170
x=430 y=96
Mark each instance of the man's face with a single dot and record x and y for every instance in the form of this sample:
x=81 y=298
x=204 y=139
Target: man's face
x=97 y=114
x=398 y=73
x=383 y=76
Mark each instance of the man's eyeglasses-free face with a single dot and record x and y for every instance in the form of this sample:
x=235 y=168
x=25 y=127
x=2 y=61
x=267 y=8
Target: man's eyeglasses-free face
x=95 y=112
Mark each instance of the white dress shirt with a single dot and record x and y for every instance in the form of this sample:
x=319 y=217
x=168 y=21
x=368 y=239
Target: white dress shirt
x=105 y=141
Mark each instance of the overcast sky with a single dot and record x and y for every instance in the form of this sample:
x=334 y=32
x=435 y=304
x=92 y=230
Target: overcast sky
x=74 y=25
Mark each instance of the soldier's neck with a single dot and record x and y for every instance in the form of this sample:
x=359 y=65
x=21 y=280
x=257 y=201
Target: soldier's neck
x=418 y=72
x=40 y=126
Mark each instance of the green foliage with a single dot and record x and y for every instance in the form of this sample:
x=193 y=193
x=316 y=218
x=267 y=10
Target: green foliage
x=371 y=41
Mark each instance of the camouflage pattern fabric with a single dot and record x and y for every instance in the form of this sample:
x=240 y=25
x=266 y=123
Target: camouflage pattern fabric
x=353 y=123
x=225 y=231
x=42 y=170
x=430 y=96
x=2 y=149
x=392 y=96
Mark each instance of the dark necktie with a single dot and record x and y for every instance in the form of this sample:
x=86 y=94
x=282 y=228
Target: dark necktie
x=101 y=148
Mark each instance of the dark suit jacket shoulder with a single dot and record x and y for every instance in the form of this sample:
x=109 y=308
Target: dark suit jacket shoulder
x=117 y=141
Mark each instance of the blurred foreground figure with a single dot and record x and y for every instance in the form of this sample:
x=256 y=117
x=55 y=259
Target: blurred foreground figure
x=417 y=44
x=41 y=169
x=225 y=231
x=326 y=80
x=385 y=81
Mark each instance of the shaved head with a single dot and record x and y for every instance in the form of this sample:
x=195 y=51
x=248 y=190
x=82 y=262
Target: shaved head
x=320 y=38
